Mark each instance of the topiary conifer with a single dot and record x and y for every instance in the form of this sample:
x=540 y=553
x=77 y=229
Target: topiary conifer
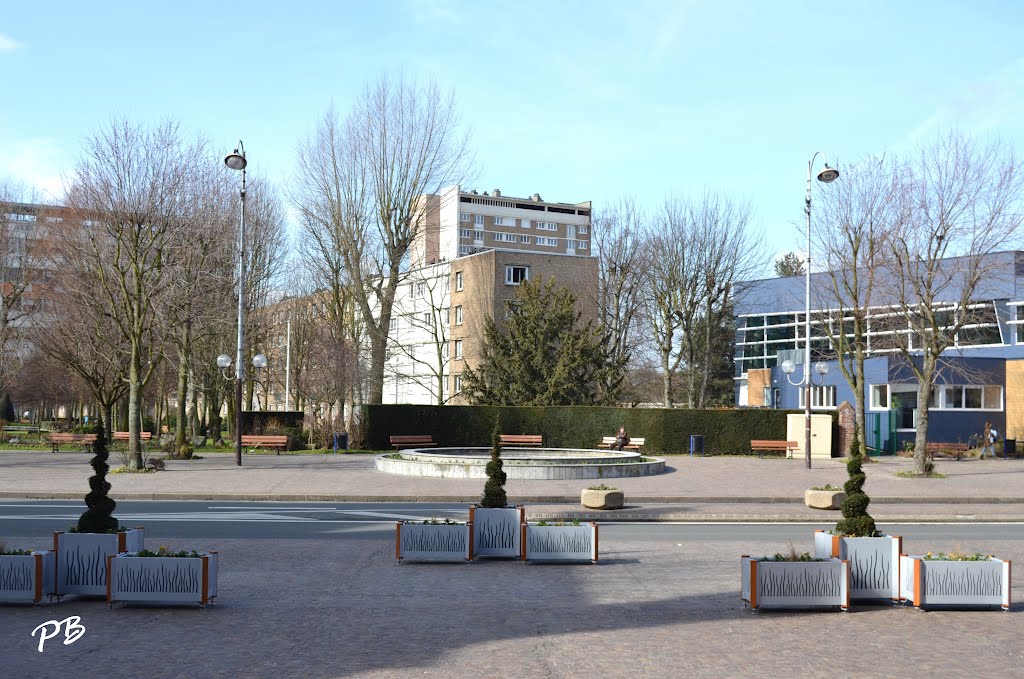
x=99 y=517
x=494 y=488
x=856 y=521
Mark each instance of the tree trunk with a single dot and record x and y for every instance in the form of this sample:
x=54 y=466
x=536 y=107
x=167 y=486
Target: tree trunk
x=924 y=391
x=134 y=394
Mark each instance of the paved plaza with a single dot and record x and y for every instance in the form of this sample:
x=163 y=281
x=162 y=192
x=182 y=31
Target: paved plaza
x=649 y=608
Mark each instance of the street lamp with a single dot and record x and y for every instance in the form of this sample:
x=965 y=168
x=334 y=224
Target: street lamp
x=827 y=175
x=224 y=362
x=236 y=161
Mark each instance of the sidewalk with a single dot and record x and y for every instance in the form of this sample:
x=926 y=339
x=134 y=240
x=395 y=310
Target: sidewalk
x=694 y=489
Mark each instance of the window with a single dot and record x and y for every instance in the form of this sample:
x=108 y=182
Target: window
x=581 y=244
x=478 y=236
x=514 y=275
x=547 y=226
x=464 y=249
x=393 y=325
x=553 y=242
x=478 y=220
x=583 y=228
x=879 y=396
x=458 y=383
x=458 y=349
x=458 y=280
x=498 y=221
x=821 y=397
x=426 y=318
x=465 y=233
x=458 y=315
x=463 y=216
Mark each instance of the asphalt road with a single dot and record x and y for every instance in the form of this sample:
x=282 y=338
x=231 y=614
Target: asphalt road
x=21 y=519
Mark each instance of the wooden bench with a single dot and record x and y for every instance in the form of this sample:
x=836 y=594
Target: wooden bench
x=275 y=443
x=535 y=440
x=773 y=446
x=958 y=448
x=634 y=443
x=57 y=438
x=412 y=441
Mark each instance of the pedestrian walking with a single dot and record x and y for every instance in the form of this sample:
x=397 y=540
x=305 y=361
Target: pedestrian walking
x=989 y=438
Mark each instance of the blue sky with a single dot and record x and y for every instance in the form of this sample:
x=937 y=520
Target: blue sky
x=573 y=100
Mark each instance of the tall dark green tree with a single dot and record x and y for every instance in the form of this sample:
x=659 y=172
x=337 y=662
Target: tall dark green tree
x=494 y=487
x=544 y=356
x=99 y=517
x=7 y=408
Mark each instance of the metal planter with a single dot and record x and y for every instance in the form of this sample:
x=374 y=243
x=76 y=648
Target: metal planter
x=82 y=559
x=930 y=583
x=162 y=579
x=434 y=542
x=27 y=578
x=874 y=563
x=566 y=544
x=795 y=584
x=497 y=532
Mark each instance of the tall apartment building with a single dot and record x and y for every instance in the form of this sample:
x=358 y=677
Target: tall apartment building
x=472 y=252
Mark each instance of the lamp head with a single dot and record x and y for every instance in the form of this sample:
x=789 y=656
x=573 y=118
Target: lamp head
x=828 y=174
x=223 y=361
x=821 y=368
x=259 y=361
x=236 y=160
x=788 y=367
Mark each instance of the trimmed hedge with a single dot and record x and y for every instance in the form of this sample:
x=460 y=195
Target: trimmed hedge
x=666 y=430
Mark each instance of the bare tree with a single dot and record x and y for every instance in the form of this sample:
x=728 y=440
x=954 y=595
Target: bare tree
x=962 y=204
x=132 y=190
x=619 y=246
x=853 y=230
x=360 y=184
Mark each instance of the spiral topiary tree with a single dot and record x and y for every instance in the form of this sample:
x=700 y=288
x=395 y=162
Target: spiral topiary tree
x=99 y=517
x=856 y=521
x=494 y=488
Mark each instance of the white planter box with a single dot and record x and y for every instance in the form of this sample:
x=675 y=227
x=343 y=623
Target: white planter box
x=438 y=542
x=874 y=563
x=162 y=579
x=928 y=583
x=794 y=584
x=82 y=559
x=497 y=532
x=574 y=544
x=27 y=578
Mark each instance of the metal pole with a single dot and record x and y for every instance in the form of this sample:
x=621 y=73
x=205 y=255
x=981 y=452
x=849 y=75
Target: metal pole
x=807 y=322
x=239 y=364
x=288 y=367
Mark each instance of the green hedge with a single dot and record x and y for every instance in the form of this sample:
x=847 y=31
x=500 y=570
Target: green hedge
x=726 y=432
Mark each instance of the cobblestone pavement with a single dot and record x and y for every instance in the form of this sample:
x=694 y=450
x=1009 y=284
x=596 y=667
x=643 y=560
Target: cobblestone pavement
x=345 y=608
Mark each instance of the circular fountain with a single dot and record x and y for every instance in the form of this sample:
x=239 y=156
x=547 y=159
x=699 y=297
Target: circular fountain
x=520 y=463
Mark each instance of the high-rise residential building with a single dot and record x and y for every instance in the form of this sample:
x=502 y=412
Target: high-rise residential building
x=472 y=252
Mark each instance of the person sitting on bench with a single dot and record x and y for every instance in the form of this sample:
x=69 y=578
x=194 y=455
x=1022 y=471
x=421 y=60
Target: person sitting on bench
x=621 y=439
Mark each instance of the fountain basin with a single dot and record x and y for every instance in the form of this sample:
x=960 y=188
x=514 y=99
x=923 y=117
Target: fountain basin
x=520 y=463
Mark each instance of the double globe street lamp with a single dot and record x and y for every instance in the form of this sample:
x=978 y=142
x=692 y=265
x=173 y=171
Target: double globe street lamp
x=236 y=161
x=827 y=175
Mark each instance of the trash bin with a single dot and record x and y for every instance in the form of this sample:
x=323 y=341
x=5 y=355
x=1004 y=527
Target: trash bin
x=1009 y=448
x=340 y=441
x=696 y=444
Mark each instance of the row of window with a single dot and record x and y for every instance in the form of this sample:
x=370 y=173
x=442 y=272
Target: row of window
x=500 y=236
x=943 y=397
x=478 y=220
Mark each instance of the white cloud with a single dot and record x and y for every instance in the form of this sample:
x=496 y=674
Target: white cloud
x=6 y=44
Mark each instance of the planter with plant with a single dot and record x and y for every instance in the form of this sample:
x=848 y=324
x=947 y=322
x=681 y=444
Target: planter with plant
x=162 y=576
x=26 y=576
x=792 y=580
x=955 y=580
x=571 y=542
x=82 y=551
x=873 y=557
x=434 y=540
x=496 y=526
x=824 y=497
x=602 y=497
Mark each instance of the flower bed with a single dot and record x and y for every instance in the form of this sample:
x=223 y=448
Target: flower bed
x=767 y=583
x=162 y=577
x=874 y=563
x=565 y=543
x=976 y=581
x=27 y=578
x=82 y=559
x=434 y=541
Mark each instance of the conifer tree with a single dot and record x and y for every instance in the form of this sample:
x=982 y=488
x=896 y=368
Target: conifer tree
x=99 y=517
x=494 y=488
x=544 y=355
x=856 y=521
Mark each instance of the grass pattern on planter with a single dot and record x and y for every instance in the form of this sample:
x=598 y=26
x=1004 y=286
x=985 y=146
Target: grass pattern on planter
x=435 y=541
x=871 y=572
x=181 y=580
x=777 y=582
x=556 y=541
x=17 y=575
x=967 y=582
x=497 y=535
x=86 y=569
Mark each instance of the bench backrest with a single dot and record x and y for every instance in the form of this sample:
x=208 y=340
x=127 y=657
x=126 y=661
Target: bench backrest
x=946 y=446
x=522 y=438
x=63 y=437
x=269 y=439
x=774 y=444
x=412 y=439
x=124 y=435
x=635 y=442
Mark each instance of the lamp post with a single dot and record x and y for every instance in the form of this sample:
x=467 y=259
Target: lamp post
x=827 y=175
x=224 y=362
x=236 y=161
